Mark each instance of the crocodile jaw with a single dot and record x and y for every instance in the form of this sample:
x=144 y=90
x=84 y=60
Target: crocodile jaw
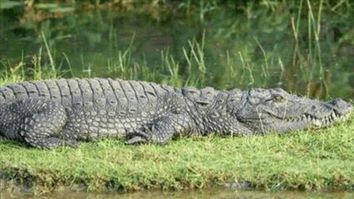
x=317 y=122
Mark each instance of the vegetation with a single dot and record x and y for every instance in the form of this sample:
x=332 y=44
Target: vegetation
x=309 y=160
x=303 y=46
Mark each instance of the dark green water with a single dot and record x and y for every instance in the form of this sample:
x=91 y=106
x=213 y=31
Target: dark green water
x=200 y=43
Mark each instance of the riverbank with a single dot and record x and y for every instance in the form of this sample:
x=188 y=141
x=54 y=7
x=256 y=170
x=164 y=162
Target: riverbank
x=304 y=160
x=200 y=193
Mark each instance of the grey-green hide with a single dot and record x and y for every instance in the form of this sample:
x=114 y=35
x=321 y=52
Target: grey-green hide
x=50 y=113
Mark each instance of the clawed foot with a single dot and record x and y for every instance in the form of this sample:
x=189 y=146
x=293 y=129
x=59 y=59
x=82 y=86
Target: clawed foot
x=139 y=137
x=136 y=140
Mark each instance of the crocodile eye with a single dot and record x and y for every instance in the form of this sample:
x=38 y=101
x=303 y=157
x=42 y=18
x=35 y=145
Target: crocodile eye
x=278 y=98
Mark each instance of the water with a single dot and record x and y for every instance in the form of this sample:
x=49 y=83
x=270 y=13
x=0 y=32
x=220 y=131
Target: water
x=181 y=44
x=205 y=194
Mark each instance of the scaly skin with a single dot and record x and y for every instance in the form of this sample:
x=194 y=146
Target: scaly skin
x=50 y=113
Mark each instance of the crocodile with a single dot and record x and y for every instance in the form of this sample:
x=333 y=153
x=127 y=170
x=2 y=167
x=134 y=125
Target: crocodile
x=50 y=113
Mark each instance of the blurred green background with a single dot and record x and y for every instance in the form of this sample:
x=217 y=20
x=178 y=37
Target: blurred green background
x=303 y=46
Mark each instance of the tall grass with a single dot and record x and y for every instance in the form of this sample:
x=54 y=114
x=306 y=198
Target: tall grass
x=280 y=44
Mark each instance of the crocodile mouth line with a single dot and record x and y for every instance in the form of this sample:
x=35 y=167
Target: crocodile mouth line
x=324 y=121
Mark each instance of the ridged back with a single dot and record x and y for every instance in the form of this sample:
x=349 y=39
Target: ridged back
x=90 y=92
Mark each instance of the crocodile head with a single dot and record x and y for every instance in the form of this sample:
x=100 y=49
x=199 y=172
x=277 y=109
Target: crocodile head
x=262 y=110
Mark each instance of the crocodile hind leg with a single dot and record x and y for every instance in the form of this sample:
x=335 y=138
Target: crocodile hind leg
x=37 y=121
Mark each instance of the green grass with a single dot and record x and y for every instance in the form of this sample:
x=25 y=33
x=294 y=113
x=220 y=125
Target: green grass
x=303 y=160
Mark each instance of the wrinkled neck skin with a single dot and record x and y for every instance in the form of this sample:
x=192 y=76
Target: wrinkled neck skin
x=258 y=111
x=214 y=111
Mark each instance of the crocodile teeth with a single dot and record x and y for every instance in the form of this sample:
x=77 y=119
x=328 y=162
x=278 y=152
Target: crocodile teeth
x=326 y=121
x=333 y=115
x=317 y=122
x=305 y=117
x=329 y=120
x=309 y=117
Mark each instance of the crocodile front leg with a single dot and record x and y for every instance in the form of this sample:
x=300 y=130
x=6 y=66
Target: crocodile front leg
x=37 y=121
x=161 y=130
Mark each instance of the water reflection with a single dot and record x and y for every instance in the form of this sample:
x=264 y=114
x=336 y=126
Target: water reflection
x=205 y=194
x=201 y=44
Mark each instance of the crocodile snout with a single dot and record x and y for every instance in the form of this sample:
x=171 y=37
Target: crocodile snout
x=342 y=107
